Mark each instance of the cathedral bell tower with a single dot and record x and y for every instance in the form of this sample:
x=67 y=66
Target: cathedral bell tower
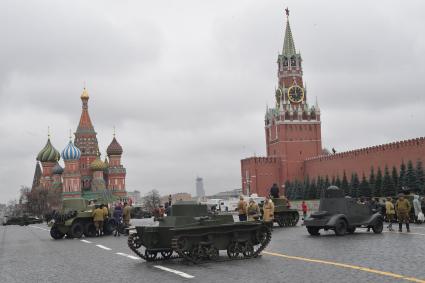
x=292 y=127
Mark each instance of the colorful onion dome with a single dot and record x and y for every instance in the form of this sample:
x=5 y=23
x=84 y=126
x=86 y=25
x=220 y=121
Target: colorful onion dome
x=57 y=169
x=71 y=152
x=98 y=165
x=48 y=153
x=114 y=148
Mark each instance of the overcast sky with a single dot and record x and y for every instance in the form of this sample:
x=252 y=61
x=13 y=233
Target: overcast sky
x=186 y=83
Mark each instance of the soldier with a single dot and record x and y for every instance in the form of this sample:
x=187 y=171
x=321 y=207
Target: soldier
x=126 y=214
x=97 y=215
x=390 y=212
x=268 y=211
x=253 y=210
x=274 y=191
x=242 y=209
x=402 y=208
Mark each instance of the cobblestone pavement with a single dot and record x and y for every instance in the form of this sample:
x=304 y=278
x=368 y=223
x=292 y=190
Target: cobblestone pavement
x=28 y=254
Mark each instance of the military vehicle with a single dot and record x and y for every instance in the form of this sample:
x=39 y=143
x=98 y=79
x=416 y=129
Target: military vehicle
x=342 y=214
x=138 y=212
x=75 y=220
x=194 y=234
x=284 y=216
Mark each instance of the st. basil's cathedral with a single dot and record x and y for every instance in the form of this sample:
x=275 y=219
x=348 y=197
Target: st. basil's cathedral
x=84 y=174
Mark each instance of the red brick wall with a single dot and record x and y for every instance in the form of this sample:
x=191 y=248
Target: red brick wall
x=361 y=160
x=262 y=173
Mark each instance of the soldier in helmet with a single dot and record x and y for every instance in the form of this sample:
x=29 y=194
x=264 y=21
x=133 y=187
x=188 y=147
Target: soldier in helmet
x=402 y=208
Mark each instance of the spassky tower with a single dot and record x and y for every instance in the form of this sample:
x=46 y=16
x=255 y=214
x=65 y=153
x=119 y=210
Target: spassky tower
x=292 y=127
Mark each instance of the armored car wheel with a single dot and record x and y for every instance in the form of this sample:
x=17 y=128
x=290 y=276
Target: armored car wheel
x=340 y=227
x=314 y=231
x=378 y=227
x=89 y=229
x=77 y=230
x=55 y=233
x=351 y=230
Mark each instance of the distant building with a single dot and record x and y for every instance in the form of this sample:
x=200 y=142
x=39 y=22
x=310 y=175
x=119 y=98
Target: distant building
x=176 y=197
x=227 y=194
x=200 y=192
x=134 y=197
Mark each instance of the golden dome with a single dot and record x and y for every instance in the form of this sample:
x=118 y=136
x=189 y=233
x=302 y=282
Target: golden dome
x=85 y=94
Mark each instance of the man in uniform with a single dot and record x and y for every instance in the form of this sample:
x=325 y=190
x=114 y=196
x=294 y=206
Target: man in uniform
x=390 y=211
x=242 y=209
x=274 y=191
x=253 y=210
x=126 y=214
x=268 y=211
x=97 y=215
x=402 y=208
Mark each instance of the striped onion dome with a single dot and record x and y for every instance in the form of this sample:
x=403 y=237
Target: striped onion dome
x=114 y=148
x=57 y=169
x=71 y=152
x=98 y=165
x=48 y=153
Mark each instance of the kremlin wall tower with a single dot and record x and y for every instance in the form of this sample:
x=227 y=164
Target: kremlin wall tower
x=84 y=174
x=294 y=142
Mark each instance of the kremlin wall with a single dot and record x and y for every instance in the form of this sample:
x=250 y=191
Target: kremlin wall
x=294 y=139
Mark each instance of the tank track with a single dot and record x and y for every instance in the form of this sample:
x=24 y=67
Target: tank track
x=205 y=251
x=287 y=219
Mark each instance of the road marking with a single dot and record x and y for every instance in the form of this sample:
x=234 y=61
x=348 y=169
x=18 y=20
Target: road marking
x=39 y=228
x=343 y=265
x=85 y=241
x=103 y=247
x=129 y=256
x=182 y=274
x=407 y=233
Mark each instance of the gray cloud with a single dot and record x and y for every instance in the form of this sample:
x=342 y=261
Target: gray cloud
x=186 y=83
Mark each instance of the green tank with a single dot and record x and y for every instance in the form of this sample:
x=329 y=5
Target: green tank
x=193 y=233
x=75 y=220
x=284 y=216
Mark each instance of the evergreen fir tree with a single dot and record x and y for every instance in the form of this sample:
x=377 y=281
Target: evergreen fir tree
x=420 y=177
x=313 y=190
x=344 y=184
x=354 y=184
x=327 y=183
x=306 y=186
x=319 y=187
x=402 y=177
x=378 y=183
x=372 y=181
x=338 y=182
x=288 y=190
x=333 y=180
x=411 y=177
x=365 y=190
x=388 y=188
x=394 y=176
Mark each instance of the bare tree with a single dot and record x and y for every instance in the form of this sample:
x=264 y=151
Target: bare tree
x=151 y=200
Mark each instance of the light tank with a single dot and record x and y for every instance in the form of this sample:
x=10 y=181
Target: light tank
x=284 y=216
x=193 y=233
x=75 y=220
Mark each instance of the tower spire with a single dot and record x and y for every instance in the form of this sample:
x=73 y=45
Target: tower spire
x=288 y=43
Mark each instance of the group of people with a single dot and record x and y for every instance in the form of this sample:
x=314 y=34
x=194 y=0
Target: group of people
x=251 y=211
x=401 y=209
x=121 y=216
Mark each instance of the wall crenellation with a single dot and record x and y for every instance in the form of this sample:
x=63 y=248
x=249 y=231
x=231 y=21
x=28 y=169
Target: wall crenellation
x=372 y=150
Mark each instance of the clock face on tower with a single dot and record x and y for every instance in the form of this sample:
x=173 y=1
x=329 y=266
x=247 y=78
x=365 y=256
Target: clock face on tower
x=295 y=94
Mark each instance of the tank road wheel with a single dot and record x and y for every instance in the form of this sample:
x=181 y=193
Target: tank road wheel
x=89 y=229
x=351 y=230
x=196 y=254
x=150 y=255
x=378 y=227
x=314 y=231
x=233 y=250
x=213 y=253
x=280 y=220
x=77 y=230
x=55 y=233
x=166 y=254
x=134 y=241
x=248 y=250
x=340 y=227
